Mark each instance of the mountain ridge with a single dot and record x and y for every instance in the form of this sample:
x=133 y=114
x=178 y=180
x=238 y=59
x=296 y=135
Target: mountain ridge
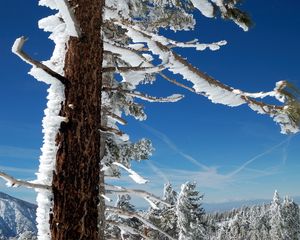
x=16 y=217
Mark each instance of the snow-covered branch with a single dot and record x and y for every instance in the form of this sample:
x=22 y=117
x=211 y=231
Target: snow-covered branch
x=17 y=49
x=73 y=28
x=13 y=182
x=132 y=174
x=111 y=130
x=146 y=97
x=136 y=69
x=114 y=116
x=286 y=116
x=138 y=192
x=127 y=228
x=125 y=213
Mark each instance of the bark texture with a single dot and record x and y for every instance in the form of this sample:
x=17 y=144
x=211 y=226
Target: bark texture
x=77 y=180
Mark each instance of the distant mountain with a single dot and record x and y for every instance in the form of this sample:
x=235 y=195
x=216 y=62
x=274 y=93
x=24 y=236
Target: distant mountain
x=226 y=206
x=17 y=218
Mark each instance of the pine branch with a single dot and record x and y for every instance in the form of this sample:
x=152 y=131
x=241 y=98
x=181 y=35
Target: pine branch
x=128 y=228
x=146 y=97
x=15 y=182
x=125 y=213
x=136 y=69
x=288 y=116
x=138 y=192
x=18 y=50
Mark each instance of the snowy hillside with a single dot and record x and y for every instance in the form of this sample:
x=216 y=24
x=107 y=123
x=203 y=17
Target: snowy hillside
x=17 y=217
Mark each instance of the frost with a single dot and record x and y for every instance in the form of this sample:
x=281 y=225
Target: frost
x=106 y=198
x=52 y=120
x=69 y=18
x=48 y=3
x=134 y=176
x=205 y=7
x=152 y=204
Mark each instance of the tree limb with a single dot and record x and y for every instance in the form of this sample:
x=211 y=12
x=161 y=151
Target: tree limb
x=138 y=192
x=111 y=130
x=15 y=182
x=130 y=229
x=172 y=98
x=18 y=50
x=125 y=213
x=114 y=116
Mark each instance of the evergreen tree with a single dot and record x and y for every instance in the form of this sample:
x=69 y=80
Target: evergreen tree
x=102 y=54
x=27 y=236
x=291 y=220
x=168 y=220
x=276 y=218
x=190 y=213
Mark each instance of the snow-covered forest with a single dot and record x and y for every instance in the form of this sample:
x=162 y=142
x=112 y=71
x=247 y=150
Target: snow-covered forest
x=186 y=219
x=94 y=78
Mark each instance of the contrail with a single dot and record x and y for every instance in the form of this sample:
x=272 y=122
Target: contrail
x=243 y=166
x=157 y=171
x=170 y=144
x=15 y=169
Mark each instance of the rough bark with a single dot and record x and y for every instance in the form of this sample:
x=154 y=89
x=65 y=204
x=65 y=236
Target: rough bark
x=77 y=180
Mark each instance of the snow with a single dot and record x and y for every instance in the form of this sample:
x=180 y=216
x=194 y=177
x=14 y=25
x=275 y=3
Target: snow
x=60 y=33
x=69 y=18
x=48 y=3
x=205 y=7
x=106 y=198
x=152 y=204
x=134 y=176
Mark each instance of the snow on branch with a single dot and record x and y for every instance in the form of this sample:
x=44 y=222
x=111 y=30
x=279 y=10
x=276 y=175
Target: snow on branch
x=138 y=192
x=205 y=7
x=17 y=49
x=68 y=16
x=132 y=174
x=146 y=97
x=126 y=228
x=114 y=116
x=125 y=213
x=172 y=98
x=287 y=116
x=106 y=129
x=13 y=182
x=136 y=69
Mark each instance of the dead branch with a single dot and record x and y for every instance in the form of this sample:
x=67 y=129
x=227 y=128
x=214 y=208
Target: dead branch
x=111 y=130
x=138 y=192
x=136 y=69
x=125 y=213
x=18 y=50
x=114 y=116
x=142 y=95
x=15 y=182
x=128 y=228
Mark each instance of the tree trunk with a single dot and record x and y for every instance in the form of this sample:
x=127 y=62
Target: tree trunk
x=77 y=180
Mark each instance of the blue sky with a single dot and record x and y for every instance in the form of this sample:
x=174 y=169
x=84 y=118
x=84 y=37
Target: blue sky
x=232 y=153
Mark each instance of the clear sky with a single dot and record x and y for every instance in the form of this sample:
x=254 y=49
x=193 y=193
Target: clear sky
x=232 y=153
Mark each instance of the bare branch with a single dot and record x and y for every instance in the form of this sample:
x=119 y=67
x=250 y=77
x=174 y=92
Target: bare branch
x=136 y=69
x=111 y=130
x=114 y=116
x=172 y=98
x=124 y=213
x=128 y=228
x=138 y=192
x=15 y=182
x=18 y=50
